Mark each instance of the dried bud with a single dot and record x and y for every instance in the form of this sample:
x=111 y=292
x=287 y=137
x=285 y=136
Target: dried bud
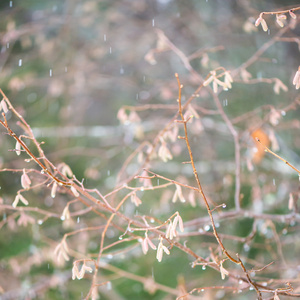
x=74 y=191
x=80 y=274
x=258 y=21
x=122 y=116
x=178 y=220
x=291 y=202
x=223 y=271
x=160 y=250
x=25 y=181
x=178 y=194
x=25 y=219
x=264 y=25
x=163 y=151
x=228 y=80
x=62 y=251
x=279 y=85
x=147 y=242
x=145 y=179
x=18 y=148
x=296 y=80
x=171 y=232
x=3 y=106
x=65 y=214
x=18 y=198
x=273 y=140
x=149 y=57
x=66 y=170
x=215 y=87
x=208 y=80
x=279 y=19
x=292 y=15
x=274 y=117
x=53 y=190
x=135 y=199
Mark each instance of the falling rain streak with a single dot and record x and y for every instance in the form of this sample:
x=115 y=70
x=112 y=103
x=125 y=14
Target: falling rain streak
x=20 y=62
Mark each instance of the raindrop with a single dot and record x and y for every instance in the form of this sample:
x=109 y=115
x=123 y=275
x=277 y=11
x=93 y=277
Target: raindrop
x=206 y=227
x=269 y=31
x=246 y=247
x=151 y=220
x=202 y=290
x=10 y=3
x=224 y=205
x=157 y=181
x=274 y=183
x=241 y=281
x=144 y=78
x=109 y=256
x=251 y=288
x=7 y=45
x=153 y=23
x=40 y=222
x=264 y=283
x=110 y=50
x=217 y=225
x=4 y=216
x=48 y=266
x=120 y=238
x=78 y=220
x=20 y=62
x=108 y=285
x=200 y=230
x=108 y=172
x=62 y=218
x=50 y=72
x=104 y=37
x=225 y=102
x=66 y=69
x=283 y=113
x=284 y=231
x=42 y=172
x=142 y=188
x=203 y=267
x=122 y=71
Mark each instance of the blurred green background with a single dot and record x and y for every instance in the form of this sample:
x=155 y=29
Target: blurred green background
x=69 y=66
